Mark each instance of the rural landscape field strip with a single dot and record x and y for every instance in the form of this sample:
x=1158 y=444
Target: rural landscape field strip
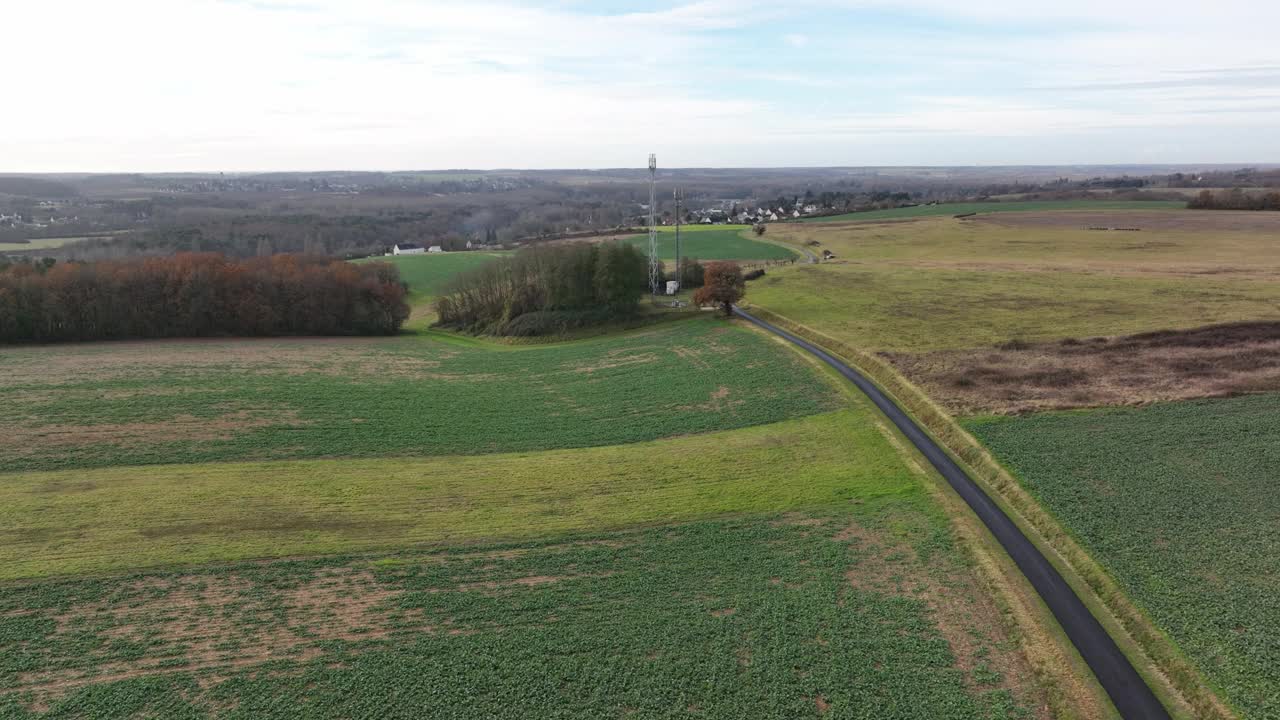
x=118 y=518
x=202 y=401
x=428 y=274
x=714 y=243
x=911 y=309
x=1128 y=691
x=1178 y=501
x=999 y=207
x=858 y=611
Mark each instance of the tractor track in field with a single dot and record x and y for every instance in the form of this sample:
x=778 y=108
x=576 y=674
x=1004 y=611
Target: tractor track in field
x=1131 y=695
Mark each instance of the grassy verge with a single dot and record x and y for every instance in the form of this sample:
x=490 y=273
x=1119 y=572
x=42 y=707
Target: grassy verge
x=1167 y=670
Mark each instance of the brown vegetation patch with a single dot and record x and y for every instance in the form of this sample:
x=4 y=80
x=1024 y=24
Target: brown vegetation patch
x=617 y=359
x=224 y=623
x=1211 y=361
x=353 y=358
x=181 y=428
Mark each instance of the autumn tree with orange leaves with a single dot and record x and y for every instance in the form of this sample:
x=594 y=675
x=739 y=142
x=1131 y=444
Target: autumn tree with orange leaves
x=200 y=295
x=722 y=285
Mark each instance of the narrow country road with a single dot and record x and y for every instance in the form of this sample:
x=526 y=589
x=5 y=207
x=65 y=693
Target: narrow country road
x=1130 y=693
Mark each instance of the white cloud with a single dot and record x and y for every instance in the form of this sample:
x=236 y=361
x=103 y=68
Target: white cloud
x=276 y=84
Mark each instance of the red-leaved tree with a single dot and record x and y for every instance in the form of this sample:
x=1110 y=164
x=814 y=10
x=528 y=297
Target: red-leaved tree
x=722 y=285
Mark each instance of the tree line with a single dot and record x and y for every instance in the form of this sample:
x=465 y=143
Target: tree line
x=1235 y=199
x=199 y=295
x=547 y=288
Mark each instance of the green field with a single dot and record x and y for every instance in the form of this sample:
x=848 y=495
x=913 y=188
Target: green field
x=941 y=283
x=713 y=242
x=836 y=613
x=43 y=243
x=950 y=209
x=427 y=275
x=129 y=517
x=1179 y=502
x=96 y=405
x=797 y=566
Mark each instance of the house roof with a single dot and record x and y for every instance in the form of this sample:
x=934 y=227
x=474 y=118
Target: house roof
x=408 y=246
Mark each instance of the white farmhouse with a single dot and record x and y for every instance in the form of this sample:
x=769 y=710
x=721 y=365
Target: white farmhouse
x=407 y=249
x=435 y=249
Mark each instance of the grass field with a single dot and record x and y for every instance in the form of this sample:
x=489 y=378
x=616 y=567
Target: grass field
x=1179 y=502
x=42 y=243
x=427 y=275
x=937 y=284
x=713 y=242
x=951 y=209
x=856 y=612
x=120 y=518
x=105 y=404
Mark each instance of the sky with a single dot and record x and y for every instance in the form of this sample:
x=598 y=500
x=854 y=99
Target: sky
x=255 y=85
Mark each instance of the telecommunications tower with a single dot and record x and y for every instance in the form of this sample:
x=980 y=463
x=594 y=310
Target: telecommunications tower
x=653 y=224
x=678 y=195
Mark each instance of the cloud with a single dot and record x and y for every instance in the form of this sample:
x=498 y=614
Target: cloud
x=276 y=84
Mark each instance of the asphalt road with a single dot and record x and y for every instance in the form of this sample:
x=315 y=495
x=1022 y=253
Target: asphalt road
x=1131 y=695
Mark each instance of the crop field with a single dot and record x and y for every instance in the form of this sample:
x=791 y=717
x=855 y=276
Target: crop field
x=1179 y=503
x=796 y=566
x=135 y=403
x=940 y=283
x=119 y=518
x=951 y=209
x=855 y=612
x=713 y=242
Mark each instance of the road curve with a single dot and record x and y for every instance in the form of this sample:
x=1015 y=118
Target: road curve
x=1128 y=691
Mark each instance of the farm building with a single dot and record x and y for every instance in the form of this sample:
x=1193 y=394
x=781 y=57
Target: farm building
x=407 y=249
x=435 y=249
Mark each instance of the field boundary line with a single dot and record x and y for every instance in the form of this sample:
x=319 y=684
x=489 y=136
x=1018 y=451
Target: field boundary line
x=1160 y=662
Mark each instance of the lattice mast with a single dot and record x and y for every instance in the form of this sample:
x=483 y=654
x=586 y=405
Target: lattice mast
x=653 y=224
x=678 y=196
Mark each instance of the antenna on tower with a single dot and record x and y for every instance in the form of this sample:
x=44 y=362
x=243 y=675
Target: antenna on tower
x=653 y=225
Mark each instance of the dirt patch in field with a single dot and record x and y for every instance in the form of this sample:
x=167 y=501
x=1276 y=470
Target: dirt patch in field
x=617 y=359
x=1211 y=361
x=220 y=624
x=213 y=625
x=181 y=428
x=353 y=358
x=967 y=618
x=1185 y=220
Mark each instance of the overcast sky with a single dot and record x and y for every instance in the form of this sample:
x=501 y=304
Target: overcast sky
x=238 y=85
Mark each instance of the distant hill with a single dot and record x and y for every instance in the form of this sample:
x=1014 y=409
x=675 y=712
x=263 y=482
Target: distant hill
x=35 y=187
